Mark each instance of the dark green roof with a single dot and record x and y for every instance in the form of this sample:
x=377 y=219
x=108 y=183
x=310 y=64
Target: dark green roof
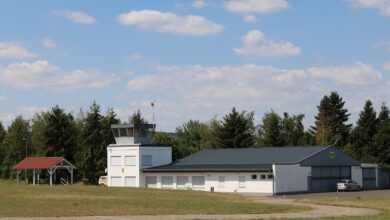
x=245 y=159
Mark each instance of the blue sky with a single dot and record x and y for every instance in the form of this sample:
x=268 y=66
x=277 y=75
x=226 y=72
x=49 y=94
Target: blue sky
x=196 y=59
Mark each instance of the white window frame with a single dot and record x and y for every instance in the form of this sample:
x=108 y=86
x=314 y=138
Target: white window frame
x=134 y=161
x=118 y=178
x=197 y=185
x=130 y=177
x=186 y=182
x=115 y=164
x=143 y=160
x=241 y=181
x=166 y=185
x=151 y=185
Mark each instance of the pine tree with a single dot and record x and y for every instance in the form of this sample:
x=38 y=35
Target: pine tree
x=331 y=127
x=293 y=131
x=60 y=134
x=38 y=137
x=2 y=150
x=235 y=130
x=363 y=134
x=108 y=138
x=270 y=131
x=382 y=143
x=16 y=143
x=384 y=115
x=93 y=144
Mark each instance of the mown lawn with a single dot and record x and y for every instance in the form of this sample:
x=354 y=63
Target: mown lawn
x=376 y=202
x=80 y=200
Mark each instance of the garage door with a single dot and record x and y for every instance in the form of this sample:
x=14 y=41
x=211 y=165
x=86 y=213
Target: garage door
x=369 y=178
x=324 y=179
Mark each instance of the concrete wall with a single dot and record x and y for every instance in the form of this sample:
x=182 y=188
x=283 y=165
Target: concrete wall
x=124 y=174
x=230 y=183
x=357 y=175
x=291 y=178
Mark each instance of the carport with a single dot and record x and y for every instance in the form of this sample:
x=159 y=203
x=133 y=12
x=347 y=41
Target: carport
x=37 y=164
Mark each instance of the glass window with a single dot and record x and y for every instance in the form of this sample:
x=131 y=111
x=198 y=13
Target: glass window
x=130 y=161
x=167 y=181
x=221 y=181
x=263 y=176
x=123 y=132
x=116 y=181
x=130 y=181
x=147 y=160
x=270 y=176
x=115 y=132
x=151 y=181
x=198 y=181
x=254 y=177
x=182 y=181
x=116 y=161
x=241 y=181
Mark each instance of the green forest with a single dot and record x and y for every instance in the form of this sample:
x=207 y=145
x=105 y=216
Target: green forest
x=82 y=139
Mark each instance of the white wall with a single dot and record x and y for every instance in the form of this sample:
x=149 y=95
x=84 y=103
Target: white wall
x=160 y=156
x=231 y=183
x=357 y=175
x=291 y=178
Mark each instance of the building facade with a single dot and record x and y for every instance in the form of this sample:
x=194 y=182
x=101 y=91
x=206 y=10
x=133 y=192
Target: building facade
x=134 y=162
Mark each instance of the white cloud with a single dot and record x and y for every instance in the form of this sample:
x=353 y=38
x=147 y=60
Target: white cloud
x=170 y=22
x=250 y=18
x=356 y=74
x=78 y=17
x=49 y=43
x=256 y=44
x=386 y=66
x=135 y=56
x=383 y=6
x=199 y=4
x=10 y=50
x=255 y=6
x=201 y=92
x=2 y=98
x=43 y=74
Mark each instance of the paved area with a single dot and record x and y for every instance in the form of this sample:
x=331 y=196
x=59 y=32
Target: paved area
x=354 y=194
x=316 y=211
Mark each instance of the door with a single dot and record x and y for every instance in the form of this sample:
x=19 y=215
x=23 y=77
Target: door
x=151 y=181
x=324 y=179
x=369 y=178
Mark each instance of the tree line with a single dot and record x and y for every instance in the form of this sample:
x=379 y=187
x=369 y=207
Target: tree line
x=82 y=139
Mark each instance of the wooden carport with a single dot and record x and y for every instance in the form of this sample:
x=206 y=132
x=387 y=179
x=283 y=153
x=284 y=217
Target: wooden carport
x=51 y=164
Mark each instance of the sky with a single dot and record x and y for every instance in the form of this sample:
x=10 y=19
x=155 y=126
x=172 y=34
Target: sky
x=195 y=59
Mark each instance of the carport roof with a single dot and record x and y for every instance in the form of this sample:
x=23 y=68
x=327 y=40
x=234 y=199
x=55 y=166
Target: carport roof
x=239 y=159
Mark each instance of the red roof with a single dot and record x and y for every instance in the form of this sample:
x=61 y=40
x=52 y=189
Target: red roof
x=38 y=163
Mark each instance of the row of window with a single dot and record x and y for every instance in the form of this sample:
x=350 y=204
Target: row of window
x=146 y=160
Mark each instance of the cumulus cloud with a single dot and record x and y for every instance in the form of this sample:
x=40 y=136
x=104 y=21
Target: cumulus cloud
x=256 y=44
x=49 y=43
x=206 y=91
x=170 y=22
x=43 y=74
x=383 y=6
x=255 y=6
x=10 y=50
x=250 y=18
x=79 y=17
x=199 y=4
x=386 y=66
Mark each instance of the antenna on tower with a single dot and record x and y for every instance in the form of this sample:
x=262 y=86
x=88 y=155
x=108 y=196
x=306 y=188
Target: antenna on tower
x=153 y=104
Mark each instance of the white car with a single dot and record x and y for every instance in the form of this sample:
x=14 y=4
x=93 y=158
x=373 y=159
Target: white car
x=102 y=180
x=348 y=185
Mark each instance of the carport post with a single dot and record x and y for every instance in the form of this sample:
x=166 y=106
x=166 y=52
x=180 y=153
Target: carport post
x=39 y=172
x=33 y=177
x=50 y=176
x=71 y=176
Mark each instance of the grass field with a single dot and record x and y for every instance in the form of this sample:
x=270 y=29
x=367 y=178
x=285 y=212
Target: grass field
x=79 y=200
x=376 y=202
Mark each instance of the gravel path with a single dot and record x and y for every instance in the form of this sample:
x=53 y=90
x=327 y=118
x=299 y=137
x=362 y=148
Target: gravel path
x=317 y=211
